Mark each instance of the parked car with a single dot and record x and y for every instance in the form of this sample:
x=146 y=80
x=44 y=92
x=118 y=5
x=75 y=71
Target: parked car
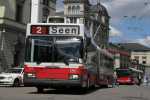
x=12 y=77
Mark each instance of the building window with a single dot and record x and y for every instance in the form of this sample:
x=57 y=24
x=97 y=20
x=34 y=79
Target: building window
x=78 y=9
x=144 y=57
x=144 y=62
x=103 y=19
x=73 y=20
x=46 y=2
x=19 y=12
x=45 y=14
x=69 y=10
x=73 y=10
x=136 y=57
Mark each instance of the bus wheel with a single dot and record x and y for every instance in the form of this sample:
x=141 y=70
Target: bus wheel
x=16 y=83
x=107 y=84
x=40 y=89
x=86 y=84
x=94 y=85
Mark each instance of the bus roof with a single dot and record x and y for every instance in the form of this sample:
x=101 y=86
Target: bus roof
x=136 y=70
x=132 y=69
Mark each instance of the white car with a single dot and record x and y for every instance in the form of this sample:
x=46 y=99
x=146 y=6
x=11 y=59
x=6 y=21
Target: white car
x=12 y=77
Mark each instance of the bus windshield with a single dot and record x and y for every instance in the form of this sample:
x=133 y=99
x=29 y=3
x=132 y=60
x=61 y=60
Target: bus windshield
x=123 y=73
x=46 y=49
x=69 y=51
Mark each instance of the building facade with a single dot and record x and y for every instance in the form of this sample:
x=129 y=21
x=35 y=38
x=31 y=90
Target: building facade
x=139 y=53
x=142 y=57
x=41 y=9
x=121 y=56
x=75 y=10
x=14 y=16
x=94 y=17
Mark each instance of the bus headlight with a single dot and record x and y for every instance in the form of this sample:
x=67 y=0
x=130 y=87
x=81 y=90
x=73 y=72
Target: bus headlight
x=74 y=77
x=31 y=75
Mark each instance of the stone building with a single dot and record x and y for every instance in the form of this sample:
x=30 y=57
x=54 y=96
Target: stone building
x=121 y=56
x=94 y=17
x=14 y=15
x=41 y=9
x=139 y=52
x=76 y=10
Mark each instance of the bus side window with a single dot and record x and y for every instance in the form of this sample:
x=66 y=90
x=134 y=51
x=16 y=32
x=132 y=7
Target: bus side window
x=134 y=74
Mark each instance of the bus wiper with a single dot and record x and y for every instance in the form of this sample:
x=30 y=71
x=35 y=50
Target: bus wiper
x=39 y=61
x=53 y=67
x=66 y=61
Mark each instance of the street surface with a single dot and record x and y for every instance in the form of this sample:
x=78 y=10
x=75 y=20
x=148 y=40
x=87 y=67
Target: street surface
x=119 y=93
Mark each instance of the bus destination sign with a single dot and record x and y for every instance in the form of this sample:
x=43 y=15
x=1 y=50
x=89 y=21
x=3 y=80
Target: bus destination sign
x=55 y=30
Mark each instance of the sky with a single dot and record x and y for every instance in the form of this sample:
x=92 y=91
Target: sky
x=130 y=20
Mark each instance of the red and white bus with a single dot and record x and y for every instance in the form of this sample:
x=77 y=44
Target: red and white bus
x=129 y=76
x=62 y=55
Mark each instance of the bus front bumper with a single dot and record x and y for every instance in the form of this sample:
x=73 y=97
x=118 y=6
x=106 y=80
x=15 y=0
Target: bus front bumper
x=51 y=82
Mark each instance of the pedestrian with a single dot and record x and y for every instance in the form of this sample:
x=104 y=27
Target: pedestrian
x=139 y=79
x=115 y=79
x=147 y=80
